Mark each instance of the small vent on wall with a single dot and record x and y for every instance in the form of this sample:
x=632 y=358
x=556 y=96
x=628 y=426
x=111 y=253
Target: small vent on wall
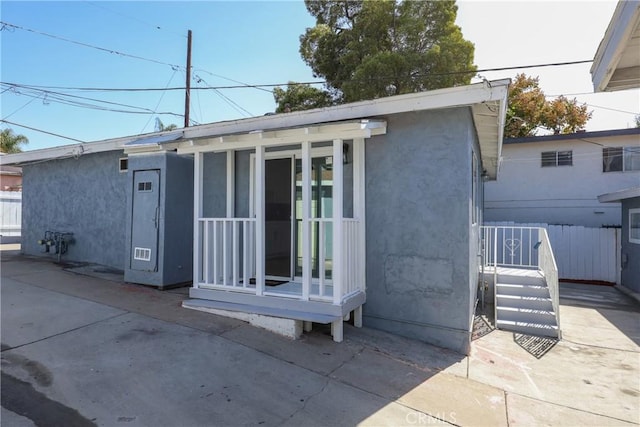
x=142 y=254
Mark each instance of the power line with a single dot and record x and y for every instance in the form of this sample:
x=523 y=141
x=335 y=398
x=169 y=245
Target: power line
x=228 y=100
x=128 y=55
x=61 y=98
x=612 y=109
x=42 y=131
x=157 y=27
x=159 y=100
x=316 y=82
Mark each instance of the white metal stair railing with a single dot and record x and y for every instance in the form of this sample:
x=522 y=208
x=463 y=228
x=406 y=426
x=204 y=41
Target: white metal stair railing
x=525 y=279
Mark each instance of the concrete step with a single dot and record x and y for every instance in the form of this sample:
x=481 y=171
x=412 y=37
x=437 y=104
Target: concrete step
x=531 y=278
x=526 y=315
x=204 y=304
x=519 y=301
x=537 y=329
x=523 y=290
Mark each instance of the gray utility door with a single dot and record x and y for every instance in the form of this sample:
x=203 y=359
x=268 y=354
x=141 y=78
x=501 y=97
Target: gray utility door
x=146 y=219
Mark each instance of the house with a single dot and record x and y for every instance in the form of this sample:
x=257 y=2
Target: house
x=630 y=199
x=556 y=179
x=306 y=215
x=616 y=65
x=10 y=178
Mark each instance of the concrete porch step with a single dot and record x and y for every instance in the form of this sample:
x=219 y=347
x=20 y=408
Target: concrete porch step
x=519 y=301
x=537 y=329
x=523 y=290
x=526 y=315
x=531 y=277
x=204 y=304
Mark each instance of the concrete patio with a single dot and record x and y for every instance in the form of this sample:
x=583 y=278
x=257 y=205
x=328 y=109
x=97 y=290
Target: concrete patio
x=80 y=350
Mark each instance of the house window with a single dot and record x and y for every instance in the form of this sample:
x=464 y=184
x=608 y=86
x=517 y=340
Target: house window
x=123 y=164
x=634 y=225
x=620 y=159
x=556 y=158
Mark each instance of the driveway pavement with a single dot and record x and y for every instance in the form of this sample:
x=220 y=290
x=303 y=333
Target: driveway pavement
x=79 y=350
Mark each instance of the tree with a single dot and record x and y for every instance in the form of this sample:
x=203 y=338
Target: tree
x=372 y=49
x=10 y=142
x=529 y=110
x=160 y=127
x=300 y=96
x=637 y=120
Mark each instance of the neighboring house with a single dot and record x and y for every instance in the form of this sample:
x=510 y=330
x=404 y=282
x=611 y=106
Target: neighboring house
x=10 y=178
x=305 y=215
x=630 y=262
x=556 y=179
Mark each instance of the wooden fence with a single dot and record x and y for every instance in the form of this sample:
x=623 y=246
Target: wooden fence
x=10 y=213
x=582 y=253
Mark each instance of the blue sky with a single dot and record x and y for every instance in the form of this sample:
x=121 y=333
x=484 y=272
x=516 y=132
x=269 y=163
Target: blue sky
x=256 y=43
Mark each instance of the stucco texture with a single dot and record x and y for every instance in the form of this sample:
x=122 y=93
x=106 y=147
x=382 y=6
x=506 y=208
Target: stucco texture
x=85 y=196
x=630 y=276
x=421 y=271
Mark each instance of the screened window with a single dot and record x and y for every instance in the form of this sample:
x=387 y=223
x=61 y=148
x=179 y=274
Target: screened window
x=634 y=225
x=620 y=159
x=556 y=158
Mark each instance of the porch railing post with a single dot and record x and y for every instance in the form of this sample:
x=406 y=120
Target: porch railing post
x=197 y=213
x=306 y=220
x=259 y=207
x=495 y=274
x=359 y=208
x=337 y=220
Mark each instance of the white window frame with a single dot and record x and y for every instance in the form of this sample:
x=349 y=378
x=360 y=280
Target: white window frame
x=632 y=212
x=624 y=156
x=557 y=158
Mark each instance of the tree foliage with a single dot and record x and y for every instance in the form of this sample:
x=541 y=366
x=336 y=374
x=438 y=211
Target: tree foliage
x=372 y=49
x=10 y=142
x=299 y=96
x=529 y=110
x=161 y=127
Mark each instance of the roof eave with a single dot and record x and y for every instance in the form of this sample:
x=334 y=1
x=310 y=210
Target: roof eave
x=614 y=45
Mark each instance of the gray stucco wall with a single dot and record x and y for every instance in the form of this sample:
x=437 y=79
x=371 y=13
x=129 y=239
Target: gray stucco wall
x=630 y=276
x=85 y=196
x=419 y=264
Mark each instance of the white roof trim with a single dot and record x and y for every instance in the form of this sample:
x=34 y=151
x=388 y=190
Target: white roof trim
x=487 y=99
x=620 y=42
x=316 y=133
x=617 y=196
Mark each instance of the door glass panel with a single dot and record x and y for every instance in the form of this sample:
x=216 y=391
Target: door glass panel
x=321 y=207
x=278 y=217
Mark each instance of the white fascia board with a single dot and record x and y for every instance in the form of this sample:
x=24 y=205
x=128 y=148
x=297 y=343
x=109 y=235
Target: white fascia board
x=63 y=151
x=625 y=19
x=617 y=196
x=431 y=100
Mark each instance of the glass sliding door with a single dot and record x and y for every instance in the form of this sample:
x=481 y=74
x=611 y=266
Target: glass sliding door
x=321 y=208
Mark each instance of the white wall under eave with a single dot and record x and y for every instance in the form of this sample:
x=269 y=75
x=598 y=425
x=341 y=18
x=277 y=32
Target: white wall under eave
x=525 y=192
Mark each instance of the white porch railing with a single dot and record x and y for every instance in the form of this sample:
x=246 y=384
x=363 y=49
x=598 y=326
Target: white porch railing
x=227 y=254
x=227 y=251
x=522 y=247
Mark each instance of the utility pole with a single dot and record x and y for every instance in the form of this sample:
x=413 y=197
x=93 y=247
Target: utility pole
x=187 y=94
